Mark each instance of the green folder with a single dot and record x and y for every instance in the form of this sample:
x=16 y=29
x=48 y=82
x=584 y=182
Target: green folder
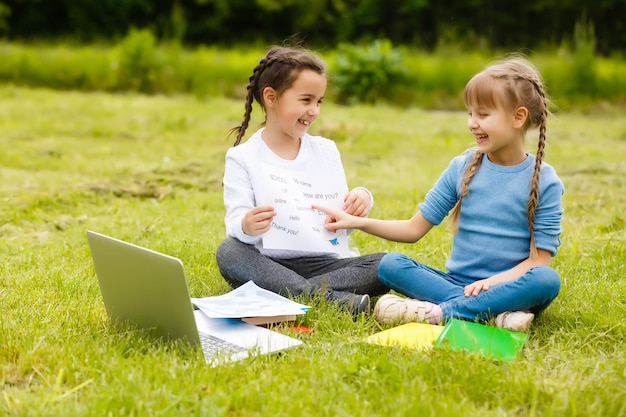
x=489 y=341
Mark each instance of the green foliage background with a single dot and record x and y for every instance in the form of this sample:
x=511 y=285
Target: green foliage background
x=423 y=24
x=369 y=73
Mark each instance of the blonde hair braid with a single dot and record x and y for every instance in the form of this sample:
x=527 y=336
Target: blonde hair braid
x=471 y=170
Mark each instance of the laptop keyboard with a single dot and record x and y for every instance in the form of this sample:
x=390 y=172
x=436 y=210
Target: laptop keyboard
x=212 y=345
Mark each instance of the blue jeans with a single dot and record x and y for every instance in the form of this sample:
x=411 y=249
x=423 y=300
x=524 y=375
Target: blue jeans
x=533 y=291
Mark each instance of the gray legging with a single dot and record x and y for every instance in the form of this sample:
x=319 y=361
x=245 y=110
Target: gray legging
x=239 y=263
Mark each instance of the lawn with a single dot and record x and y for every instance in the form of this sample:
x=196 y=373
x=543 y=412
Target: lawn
x=147 y=169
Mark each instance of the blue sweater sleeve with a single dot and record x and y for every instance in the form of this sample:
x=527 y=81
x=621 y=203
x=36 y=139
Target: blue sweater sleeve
x=549 y=213
x=445 y=193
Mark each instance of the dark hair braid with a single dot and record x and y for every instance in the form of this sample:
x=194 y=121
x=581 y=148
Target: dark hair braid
x=252 y=94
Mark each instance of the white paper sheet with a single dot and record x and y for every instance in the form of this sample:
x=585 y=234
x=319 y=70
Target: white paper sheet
x=297 y=226
x=248 y=300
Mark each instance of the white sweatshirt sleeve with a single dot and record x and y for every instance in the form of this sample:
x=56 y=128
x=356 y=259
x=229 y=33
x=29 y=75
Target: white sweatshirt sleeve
x=238 y=195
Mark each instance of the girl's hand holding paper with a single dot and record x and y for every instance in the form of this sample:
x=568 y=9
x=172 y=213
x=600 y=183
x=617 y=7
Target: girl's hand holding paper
x=357 y=202
x=258 y=220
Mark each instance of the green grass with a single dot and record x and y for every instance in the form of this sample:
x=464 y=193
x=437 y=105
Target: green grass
x=148 y=170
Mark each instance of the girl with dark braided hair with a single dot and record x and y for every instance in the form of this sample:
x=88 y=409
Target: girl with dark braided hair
x=506 y=212
x=289 y=85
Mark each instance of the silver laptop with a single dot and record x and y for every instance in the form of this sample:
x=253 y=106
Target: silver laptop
x=148 y=289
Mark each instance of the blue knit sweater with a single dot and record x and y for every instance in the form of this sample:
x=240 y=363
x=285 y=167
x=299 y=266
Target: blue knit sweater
x=493 y=233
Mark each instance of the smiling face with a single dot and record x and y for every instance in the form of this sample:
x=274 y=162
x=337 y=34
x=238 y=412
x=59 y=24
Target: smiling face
x=290 y=114
x=498 y=128
x=496 y=134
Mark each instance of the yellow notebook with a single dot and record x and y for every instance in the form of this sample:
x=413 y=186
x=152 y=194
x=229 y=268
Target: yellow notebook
x=419 y=336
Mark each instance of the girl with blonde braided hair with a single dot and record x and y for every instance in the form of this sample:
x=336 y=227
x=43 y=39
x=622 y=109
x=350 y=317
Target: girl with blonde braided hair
x=289 y=85
x=505 y=209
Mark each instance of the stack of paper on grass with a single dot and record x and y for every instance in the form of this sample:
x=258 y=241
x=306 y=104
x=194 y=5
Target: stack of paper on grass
x=411 y=335
x=252 y=304
x=489 y=341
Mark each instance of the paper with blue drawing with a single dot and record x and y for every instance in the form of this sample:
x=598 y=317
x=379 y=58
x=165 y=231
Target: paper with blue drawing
x=297 y=226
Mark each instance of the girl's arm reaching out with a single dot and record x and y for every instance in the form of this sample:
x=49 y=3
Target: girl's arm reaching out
x=406 y=231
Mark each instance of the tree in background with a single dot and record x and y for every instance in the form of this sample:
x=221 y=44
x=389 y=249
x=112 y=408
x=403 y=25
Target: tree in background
x=323 y=23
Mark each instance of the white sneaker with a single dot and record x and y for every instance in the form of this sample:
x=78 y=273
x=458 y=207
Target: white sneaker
x=392 y=309
x=518 y=321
